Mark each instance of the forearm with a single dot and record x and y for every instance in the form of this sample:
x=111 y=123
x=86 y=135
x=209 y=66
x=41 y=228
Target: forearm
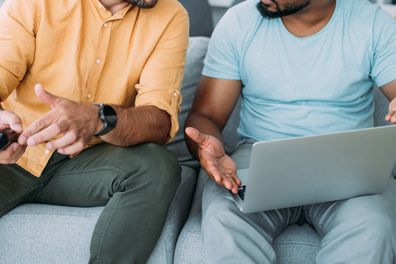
x=138 y=125
x=205 y=125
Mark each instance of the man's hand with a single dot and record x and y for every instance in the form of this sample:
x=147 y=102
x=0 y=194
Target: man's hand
x=391 y=116
x=68 y=127
x=219 y=166
x=14 y=151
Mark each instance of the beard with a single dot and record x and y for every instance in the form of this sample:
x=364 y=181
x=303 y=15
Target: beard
x=287 y=10
x=143 y=3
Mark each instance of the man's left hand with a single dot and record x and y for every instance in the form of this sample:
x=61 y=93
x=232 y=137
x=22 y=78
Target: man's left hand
x=68 y=127
x=391 y=116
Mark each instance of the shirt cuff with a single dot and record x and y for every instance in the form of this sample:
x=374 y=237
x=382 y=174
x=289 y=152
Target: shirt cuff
x=169 y=102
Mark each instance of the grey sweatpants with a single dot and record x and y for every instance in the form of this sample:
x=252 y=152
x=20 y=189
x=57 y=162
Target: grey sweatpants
x=358 y=230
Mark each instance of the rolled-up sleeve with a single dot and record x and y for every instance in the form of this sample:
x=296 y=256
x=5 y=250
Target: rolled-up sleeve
x=18 y=23
x=162 y=75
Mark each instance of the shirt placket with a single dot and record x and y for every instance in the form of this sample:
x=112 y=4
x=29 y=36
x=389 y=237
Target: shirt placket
x=102 y=48
x=98 y=62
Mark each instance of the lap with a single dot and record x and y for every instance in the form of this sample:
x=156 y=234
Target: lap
x=371 y=209
x=92 y=177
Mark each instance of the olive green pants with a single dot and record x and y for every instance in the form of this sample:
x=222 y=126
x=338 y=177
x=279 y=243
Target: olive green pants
x=136 y=185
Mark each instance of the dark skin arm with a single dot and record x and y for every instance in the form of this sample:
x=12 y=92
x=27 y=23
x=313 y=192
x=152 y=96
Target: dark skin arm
x=213 y=105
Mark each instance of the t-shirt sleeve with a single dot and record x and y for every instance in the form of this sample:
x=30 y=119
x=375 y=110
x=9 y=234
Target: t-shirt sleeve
x=222 y=60
x=384 y=57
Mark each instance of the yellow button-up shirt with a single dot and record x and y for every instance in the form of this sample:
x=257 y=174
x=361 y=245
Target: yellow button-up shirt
x=78 y=50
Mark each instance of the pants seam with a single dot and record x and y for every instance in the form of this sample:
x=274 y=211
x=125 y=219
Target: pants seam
x=106 y=227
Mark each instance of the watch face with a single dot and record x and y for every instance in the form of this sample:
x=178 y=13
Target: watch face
x=110 y=115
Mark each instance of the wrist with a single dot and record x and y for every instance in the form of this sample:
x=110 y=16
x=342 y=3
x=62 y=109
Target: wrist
x=97 y=124
x=108 y=117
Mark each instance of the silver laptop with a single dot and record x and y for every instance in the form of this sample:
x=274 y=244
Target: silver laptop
x=315 y=169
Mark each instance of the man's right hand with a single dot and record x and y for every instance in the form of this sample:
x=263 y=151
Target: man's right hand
x=219 y=166
x=14 y=151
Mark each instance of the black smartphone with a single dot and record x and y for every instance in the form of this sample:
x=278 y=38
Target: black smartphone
x=7 y=136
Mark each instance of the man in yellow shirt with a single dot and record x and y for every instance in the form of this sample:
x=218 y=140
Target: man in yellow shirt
x=87 y=85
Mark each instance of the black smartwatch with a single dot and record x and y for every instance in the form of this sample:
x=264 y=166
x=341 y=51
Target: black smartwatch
x=109 y=118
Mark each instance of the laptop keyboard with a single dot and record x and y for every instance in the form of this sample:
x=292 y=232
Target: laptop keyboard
x=241 y=191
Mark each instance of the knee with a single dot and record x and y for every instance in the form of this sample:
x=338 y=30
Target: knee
x=161 y=172
x=369 y=219
x=219 y=212
x=379 y=229
x=162 y=165
x=148 y=166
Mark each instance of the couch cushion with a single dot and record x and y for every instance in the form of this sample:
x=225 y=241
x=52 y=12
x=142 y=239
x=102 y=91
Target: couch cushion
x=200 y=14
x=177 y=215
x=192 y=74
x=34 y=233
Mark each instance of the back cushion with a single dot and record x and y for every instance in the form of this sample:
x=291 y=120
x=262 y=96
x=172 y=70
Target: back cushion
x=200 y=15
x=192 y=74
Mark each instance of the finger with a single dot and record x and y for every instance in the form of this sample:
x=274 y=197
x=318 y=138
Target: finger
x=18 y=150
x=11 y=120
x=236 y=179
x=227 y=183
x=388 y=117
x=72 y=149
x=66 y=140
x=45 y=96
x=393 y=118
x=34 y=128
x=232 y=186
x=195 y=135
x=214 y=173
x=11 y=153
x=45 y=135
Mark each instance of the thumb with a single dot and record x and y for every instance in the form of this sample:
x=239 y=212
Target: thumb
x=45 y=96
x=195 y=135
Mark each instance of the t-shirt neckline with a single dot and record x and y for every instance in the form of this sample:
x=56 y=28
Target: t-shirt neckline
x=317 y=34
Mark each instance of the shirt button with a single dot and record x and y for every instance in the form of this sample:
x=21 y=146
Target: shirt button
x=47 y=151
x=105 y=25
x=97 y=61
x=89 y=96
x=174 y=94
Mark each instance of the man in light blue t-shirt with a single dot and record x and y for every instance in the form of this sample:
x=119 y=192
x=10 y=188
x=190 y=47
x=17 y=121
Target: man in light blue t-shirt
x=300 y=68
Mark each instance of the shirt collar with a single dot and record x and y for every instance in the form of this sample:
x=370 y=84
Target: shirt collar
x=106 y=15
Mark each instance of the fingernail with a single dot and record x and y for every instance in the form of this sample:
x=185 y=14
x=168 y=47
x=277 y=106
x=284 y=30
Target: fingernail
x=22 y=139
x=17 y=128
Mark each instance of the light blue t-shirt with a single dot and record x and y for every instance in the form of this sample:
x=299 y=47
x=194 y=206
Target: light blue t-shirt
x=304 y=86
